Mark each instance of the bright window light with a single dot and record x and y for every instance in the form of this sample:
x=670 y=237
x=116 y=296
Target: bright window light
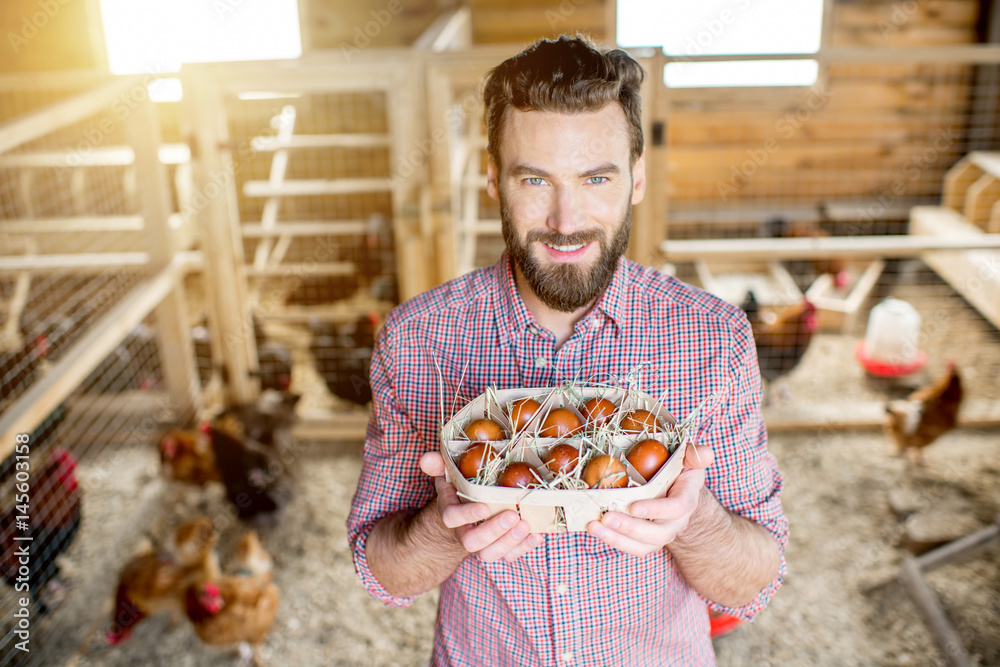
x=726 y=27
x=153 y=36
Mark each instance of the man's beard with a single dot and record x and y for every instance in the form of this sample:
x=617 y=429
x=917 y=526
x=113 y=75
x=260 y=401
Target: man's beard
x=566 y=287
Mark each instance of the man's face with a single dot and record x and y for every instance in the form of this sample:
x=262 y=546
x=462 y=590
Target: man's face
x=566 y=193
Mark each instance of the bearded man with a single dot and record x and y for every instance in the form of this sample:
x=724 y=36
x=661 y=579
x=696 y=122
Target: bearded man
x=566 y=162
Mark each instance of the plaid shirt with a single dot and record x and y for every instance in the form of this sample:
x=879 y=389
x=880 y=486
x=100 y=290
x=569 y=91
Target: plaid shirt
x=573 y=600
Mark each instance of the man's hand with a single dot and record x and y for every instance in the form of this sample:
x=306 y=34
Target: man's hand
x=652 y=524
x=503 y=536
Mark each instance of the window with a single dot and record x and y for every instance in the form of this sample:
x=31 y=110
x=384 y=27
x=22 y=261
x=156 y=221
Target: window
x=154 y=36
x=687 y=29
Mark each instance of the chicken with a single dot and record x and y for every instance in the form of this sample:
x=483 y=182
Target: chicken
x=781 y=340
x=256 y=481
x=253 y=444
x=267 y=421
x=54 y=520
x=155 y=582
x=187 y=456
x=927 y=414
x=343 y=355
x=805 y=272
x=237 y=609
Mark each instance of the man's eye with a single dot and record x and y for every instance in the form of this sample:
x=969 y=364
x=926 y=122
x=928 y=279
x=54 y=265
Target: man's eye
x=596 y=180
x=534 y=180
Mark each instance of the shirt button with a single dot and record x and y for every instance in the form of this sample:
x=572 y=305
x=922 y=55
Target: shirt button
x=541 y=362
x=533 y=329
x=567 y=656
x=594 y=324
x=562 y=589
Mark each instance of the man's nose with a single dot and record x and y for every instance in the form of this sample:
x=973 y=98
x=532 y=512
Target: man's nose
x=566 y=215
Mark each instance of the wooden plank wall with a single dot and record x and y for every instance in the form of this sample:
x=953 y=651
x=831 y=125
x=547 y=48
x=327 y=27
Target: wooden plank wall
x=863 y=129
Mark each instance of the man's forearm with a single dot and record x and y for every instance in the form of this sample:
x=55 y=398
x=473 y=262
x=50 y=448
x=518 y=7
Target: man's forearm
x=412 y=553
x=725 y=557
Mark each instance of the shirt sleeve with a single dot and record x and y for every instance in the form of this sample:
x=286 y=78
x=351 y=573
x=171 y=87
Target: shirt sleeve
x=391 y=479
x=745 y=476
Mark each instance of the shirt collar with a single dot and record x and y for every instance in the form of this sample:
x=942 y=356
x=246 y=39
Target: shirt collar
x=514 y=317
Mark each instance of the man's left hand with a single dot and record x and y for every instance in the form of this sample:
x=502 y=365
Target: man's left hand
x=654 y=523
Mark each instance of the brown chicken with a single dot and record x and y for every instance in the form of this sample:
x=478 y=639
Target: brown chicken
x=781 y=339
x=54 y=512
x=927 y=414
x=155 y=582
x=187 y=456
x=238 y=609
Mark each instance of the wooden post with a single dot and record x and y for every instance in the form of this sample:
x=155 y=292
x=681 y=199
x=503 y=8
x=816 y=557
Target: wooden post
x=649 y=216
x=173 y=338
x=413 y=234
x=214 y=175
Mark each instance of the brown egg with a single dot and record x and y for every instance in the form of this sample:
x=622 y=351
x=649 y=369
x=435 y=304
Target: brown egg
x=484 y=429
x=598 y=410
x=639 y=421
x=605 y=472
x=559 y=423
x=562 y=458
x=474 y=458
x=521 y=412
x=647 y=457
x=519 y=475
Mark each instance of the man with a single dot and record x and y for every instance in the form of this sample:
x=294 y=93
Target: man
x=566 y=164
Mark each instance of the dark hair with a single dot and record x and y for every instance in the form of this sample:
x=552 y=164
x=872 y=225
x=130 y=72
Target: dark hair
x=566 y=75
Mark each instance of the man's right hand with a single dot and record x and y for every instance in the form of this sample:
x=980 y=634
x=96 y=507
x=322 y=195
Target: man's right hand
x=504 y=536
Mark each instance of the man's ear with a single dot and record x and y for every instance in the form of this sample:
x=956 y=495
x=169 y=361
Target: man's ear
x=639 y=178
x=492 y=174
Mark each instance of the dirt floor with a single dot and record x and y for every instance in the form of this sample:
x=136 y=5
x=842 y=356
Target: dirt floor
x=831 y=611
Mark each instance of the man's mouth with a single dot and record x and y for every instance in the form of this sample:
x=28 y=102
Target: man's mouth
x=565 y=248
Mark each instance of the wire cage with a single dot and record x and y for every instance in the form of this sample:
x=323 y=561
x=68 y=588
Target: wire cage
x=87 y=283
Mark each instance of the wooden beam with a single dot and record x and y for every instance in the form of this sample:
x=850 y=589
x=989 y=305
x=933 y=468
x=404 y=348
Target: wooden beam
x=451 y=30
x=853 y=247
x=229 y=305
x=318 y=186
x=82 y=263
x=100 y=156
x=960 y=549
x=297 y=142
x=109 y=223
x=307 y=228
x=944 y=634
x=173 y=335
x=959 y=54
x=973 y=273
x=23 y=129
x=314 y=269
